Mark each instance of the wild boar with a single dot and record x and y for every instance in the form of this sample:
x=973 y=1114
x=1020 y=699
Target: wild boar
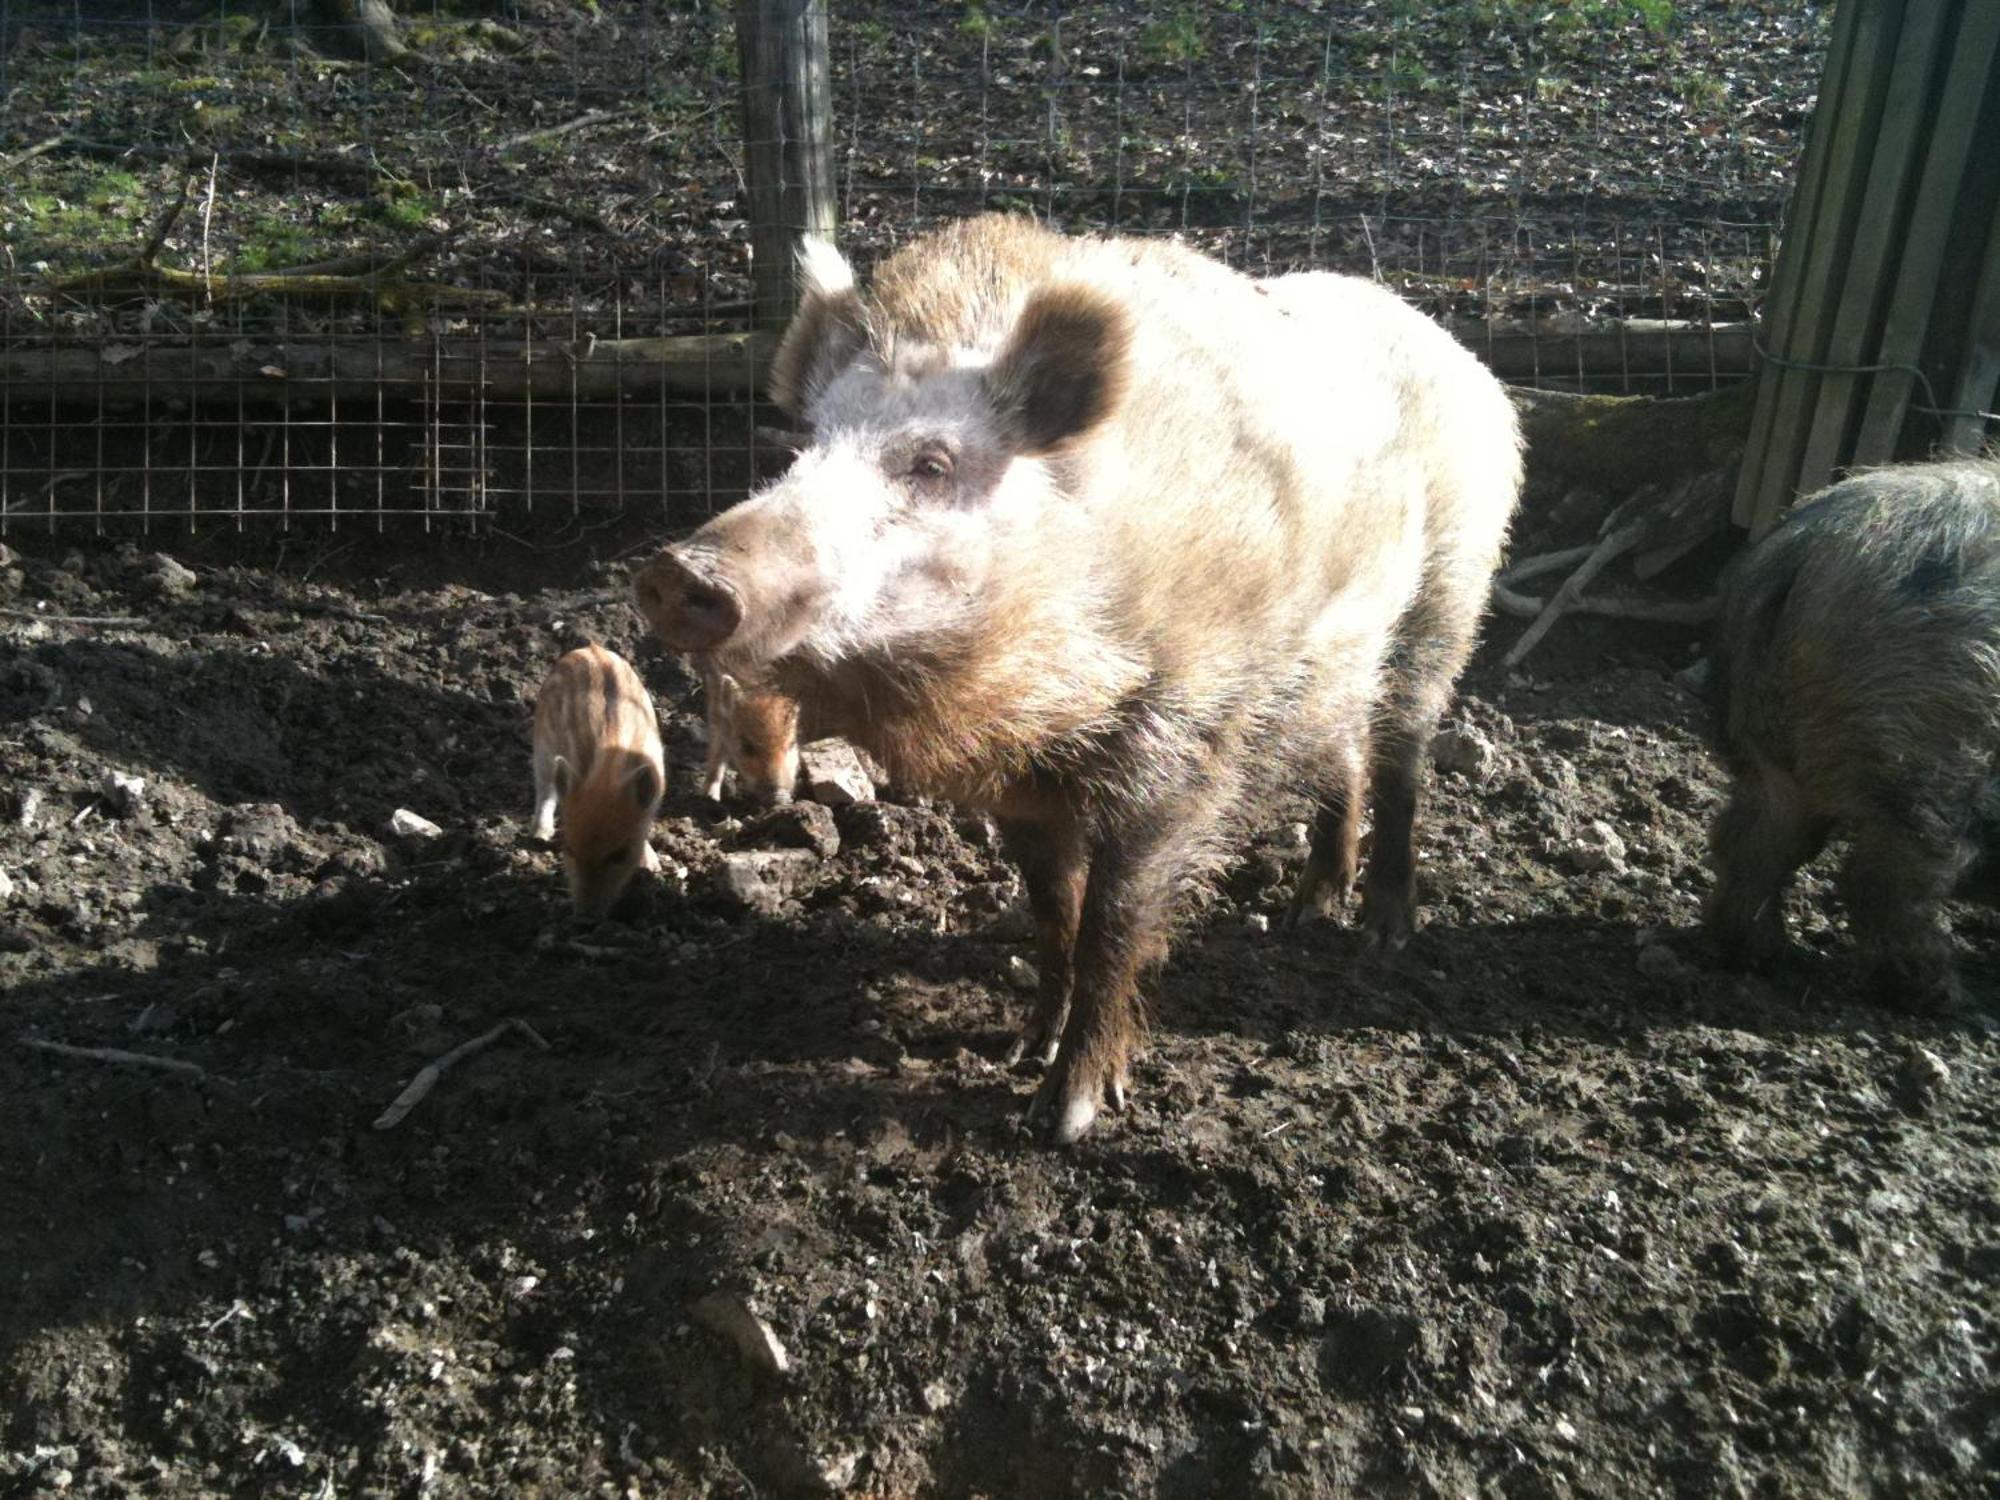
x=755 y=734
x=1106 y=539
x=1853 y=686
x=597 y=760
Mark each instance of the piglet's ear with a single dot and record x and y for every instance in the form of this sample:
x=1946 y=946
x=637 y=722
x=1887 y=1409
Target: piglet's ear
x=1064 y=369
x=827 y=331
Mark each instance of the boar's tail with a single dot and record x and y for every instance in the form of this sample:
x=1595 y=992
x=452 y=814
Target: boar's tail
x=1753 y=612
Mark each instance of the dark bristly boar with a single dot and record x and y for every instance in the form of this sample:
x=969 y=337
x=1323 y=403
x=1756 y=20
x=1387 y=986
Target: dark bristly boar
x=597 y=760
x=1854 y=688
x=754 y=734
x=1103 y=538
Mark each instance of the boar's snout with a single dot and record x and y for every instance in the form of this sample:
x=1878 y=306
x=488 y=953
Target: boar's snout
x=688 y=610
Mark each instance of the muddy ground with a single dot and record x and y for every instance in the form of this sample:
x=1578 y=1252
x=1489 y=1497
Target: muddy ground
x=1545 y=1206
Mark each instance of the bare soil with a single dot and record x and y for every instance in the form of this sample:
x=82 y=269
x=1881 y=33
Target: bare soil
x=1546 y=1205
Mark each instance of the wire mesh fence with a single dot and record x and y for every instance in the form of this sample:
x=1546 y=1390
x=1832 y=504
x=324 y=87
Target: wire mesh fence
x=245 y=273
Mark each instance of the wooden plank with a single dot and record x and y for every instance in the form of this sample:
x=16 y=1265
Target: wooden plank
x=698 y=367
x=1908 y=111
x=1857 y=116
x=1978 y=386
x=1781 y=307
x=787 y=142
x=1938 y=194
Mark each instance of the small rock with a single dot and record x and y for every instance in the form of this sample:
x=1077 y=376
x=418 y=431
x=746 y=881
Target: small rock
x=797 y=825
x=167 y=578
x=937 y=1396
x=731 y=1318
x=1257 y=922
x=838 y=1472
x=1597 y=847
x=6 y=886
x=834 y=775
x=1565 y=1429
x=1023 y=975
x=1924 y=1071
x=121 y=793
x=1464 y=750
x=761 y=880
x=408 y=825
x=28 y=807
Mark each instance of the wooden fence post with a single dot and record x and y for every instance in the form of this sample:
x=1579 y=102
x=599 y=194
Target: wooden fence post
x=787 y=140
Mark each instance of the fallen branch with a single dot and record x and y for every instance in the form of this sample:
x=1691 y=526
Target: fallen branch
x=1607 y=551
x=1657 y=611
x=701 y=366
x=29 y=614
x=116 y=1055
x=390 y=293
x=370 y=262
x=347 y=168
x=426 y=1080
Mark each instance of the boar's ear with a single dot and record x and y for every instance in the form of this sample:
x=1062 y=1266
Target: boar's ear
x=644 y=783
x=564 y=774
x=825 y=333
x=1064 y=368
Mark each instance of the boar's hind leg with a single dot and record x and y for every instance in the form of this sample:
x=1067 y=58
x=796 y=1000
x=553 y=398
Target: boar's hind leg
x=1760 y=838
x=1054 y=866
x=1893 y=885
x=1433 y=639
x=1328 y=879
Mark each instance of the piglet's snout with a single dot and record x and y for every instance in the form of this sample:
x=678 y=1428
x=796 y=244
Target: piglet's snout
x=688 y=609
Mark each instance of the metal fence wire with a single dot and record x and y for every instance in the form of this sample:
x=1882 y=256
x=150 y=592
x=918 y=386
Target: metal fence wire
x=505 y=266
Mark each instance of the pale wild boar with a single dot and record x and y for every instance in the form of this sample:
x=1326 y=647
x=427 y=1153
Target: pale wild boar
x=754 y=734
x=1105 y=539
x=597 y=763
x=1854 y=690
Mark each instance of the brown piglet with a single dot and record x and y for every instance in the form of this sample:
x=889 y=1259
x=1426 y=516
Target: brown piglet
x=597 y=761
x=755 y=734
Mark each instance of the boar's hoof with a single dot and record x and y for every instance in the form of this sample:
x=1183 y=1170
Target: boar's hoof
x=1069 y=1103
x=1387 y=931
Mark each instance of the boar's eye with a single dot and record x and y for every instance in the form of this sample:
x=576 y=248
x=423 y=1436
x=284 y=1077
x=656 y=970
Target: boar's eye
x=749 y=746
x=932 y=465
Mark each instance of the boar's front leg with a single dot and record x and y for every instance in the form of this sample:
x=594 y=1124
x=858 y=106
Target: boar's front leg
x=1136 y=865
x=1055 y=863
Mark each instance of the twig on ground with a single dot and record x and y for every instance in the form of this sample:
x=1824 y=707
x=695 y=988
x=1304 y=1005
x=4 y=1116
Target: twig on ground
x=38 y=149
x=1658 y=611
x=116 y=1055
x=208 y=219
x=581 y=122
x=1548 y=562
x=371 y=262
x=166 y=223
x=1607 y=551
x=426 y=1080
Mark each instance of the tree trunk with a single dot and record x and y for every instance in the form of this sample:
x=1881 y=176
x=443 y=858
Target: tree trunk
x=370 y=27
